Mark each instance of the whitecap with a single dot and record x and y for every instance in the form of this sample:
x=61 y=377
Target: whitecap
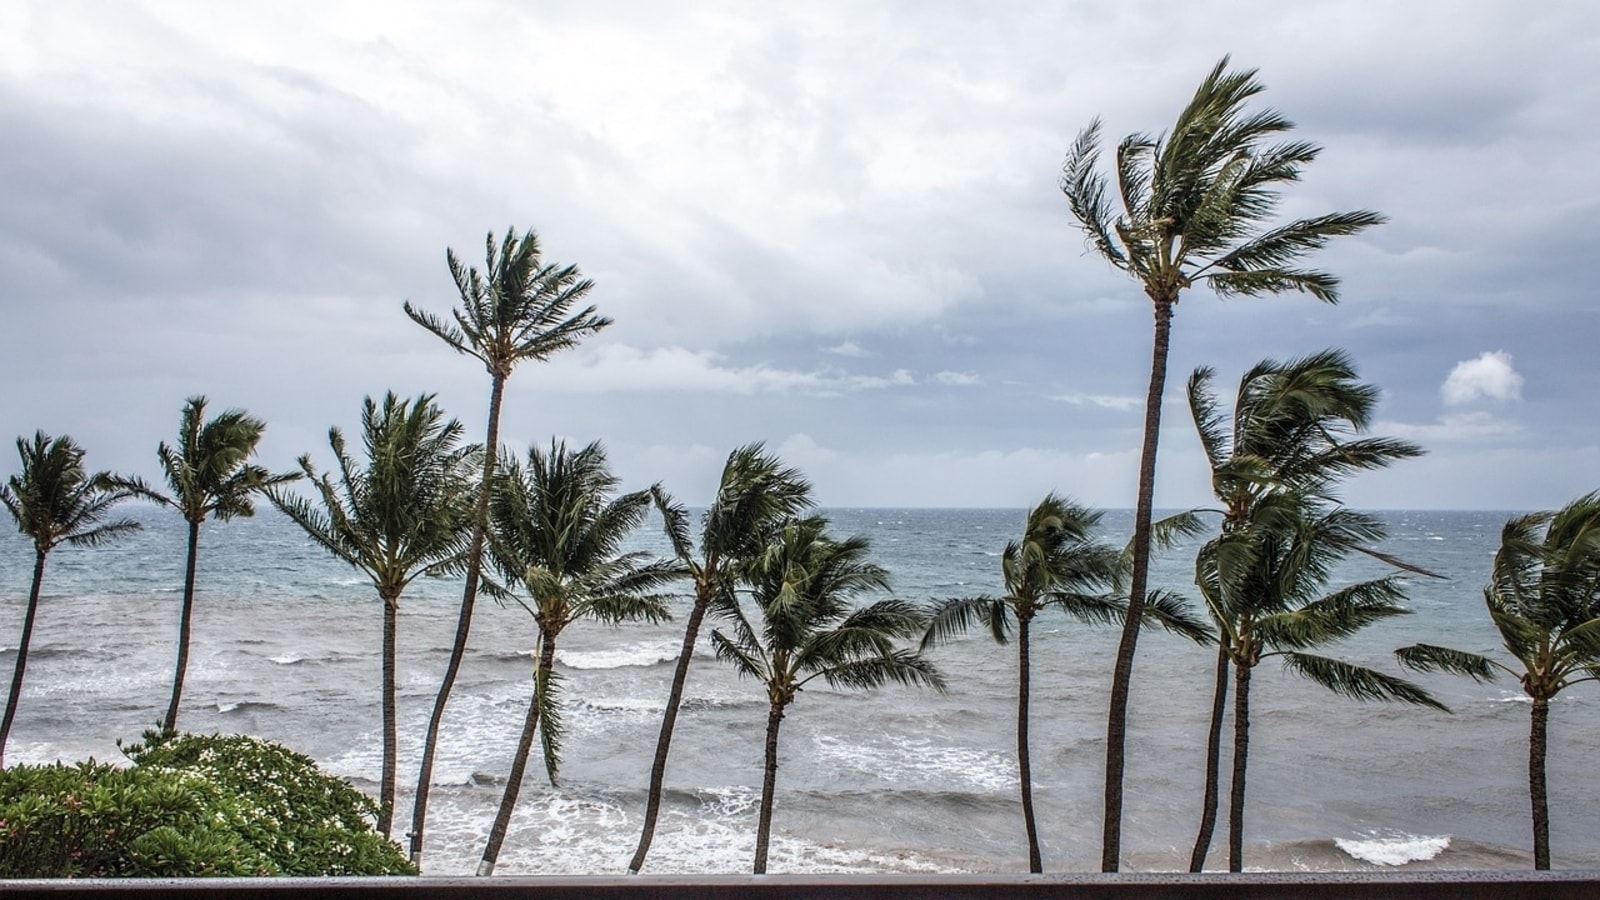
x=645 y=653
x=1394 y=849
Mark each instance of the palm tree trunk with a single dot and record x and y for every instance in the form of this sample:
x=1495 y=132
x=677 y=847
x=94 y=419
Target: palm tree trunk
x=519 y=762
x=185 y=620
x=1122 y=673
x=22 y=653
x=391 y=739
x=469 y=596
x=669 y=719
x=769 y=781
x=1241 y=754
x=1024 y=769
x=1536 y=783
x=1208 y=811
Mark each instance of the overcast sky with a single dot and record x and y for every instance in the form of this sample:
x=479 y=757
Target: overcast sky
x=832 y=227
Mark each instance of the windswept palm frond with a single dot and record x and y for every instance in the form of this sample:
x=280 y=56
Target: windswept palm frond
x=552 y=724
x=1334 y=616
x=1433 y=658
x=1358 y=682
x=900 y=666
x=1171 y=611
x=958 y=615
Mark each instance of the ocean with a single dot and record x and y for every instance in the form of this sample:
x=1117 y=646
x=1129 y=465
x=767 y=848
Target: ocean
x=286 y=644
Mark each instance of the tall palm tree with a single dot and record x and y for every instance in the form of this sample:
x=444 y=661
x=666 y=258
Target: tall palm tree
x=408 y=513
x=1057 y=565
x=756 y=495
x=519 y=308
x=1295 y=426
x=209 y=474
x=556 y=532
x=1264 y=584
x=1544 y=597
x=1195 y=204
x=55 y=500
x=803 y=586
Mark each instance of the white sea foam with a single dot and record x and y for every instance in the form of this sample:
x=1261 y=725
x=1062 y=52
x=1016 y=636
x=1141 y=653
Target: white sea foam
x=643 y=653
x=906 y=760
x=287 y=659
x=1394 y=849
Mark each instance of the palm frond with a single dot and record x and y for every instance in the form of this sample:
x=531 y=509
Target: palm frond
x=1334 y=616
x=1281 y=246
x=1171 y=611
x=901 y=666
x=958 y=614
x=1257 y=282
x=1432 y=658
x=1358 y=682
x=1085 y=189
x=552 y=727
x=744 y=661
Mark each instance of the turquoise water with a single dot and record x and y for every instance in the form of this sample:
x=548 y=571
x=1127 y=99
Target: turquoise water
x=285 y=646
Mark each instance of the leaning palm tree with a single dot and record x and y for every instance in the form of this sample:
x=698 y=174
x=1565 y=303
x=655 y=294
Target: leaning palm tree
x=1295 y=426
x=408 y=513
x=55 y=500
x=1264 y=585
x=556 y=532
x=1544 y=598
x=757 y=494
x=1195 y=206
x=803 y=587
x=1057 y=565
x=518 y=308
x=209 y=475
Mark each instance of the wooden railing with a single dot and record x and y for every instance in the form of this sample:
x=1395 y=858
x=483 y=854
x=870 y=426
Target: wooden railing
x=1567 y=885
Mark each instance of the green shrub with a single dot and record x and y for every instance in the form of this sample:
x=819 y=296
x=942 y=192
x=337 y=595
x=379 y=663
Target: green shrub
x=96 y=820
x=190 y=805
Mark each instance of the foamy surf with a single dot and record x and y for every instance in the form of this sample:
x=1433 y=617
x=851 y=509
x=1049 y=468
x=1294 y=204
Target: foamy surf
x=1394 y=849
x=643 y=653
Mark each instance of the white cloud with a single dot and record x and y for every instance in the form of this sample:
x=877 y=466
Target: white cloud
x=803 y=451
x=614 y=367
x=848 y=348
x=1104 y=401
x=1490 y=376
x=956 y=378
x=1454 y=428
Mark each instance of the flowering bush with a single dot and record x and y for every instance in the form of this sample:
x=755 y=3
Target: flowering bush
x=190 y=805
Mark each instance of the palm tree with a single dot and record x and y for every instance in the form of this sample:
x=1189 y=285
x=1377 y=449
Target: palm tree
x=1296 y=426
x=803 y=586
x=209 y=475
x=1056 y=565
x=55 y=500
x=756 y=495
x=408 y=513
x=1264 y=586
x=518 y=308
x=1544 y=597
x=1195 y=204
x=557 y=532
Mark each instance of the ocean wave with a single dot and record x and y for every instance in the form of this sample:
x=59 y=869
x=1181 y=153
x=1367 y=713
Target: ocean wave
x=917 y=760
x=1394 y=849
x=224 y=706
x=706 y=704
x=644 y=653
x=622 y=704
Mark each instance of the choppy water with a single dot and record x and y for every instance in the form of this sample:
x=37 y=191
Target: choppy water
x=285 y=646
